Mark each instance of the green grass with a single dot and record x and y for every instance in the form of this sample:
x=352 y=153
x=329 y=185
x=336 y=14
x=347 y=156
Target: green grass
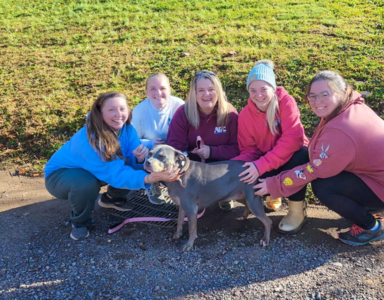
x=57 y=56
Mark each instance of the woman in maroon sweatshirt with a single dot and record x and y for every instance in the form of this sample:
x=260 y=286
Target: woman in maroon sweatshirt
x=208 y=115
x=346 y=164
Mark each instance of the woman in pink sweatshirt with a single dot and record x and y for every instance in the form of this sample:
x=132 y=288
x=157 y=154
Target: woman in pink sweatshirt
x=346 y=164
x=272 y=139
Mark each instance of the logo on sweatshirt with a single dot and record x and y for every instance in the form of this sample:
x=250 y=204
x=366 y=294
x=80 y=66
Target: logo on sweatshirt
x=288 y=181
x=220 y=130
x=300 y=174
x=309 y=168
x=317 y=162
x=323 y=153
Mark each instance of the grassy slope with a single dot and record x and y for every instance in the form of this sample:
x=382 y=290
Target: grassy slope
x=57 y=56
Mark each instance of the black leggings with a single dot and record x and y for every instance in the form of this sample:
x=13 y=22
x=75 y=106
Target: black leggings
x=350 y=197
x=298 y=158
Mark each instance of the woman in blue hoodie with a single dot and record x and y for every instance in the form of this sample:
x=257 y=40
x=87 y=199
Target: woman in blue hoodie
x=105 y=151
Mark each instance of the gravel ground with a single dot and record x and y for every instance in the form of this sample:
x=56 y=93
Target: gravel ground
x=39 y=261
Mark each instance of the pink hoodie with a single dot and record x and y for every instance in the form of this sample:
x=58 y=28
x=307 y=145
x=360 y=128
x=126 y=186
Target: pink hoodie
x=256 y=142
x=353 y=141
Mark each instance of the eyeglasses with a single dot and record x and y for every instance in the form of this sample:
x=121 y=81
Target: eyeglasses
x=198 y=73
x=323 y=96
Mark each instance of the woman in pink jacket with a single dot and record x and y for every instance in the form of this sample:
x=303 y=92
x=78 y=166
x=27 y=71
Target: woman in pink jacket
x=272 y=139
x=346 y=164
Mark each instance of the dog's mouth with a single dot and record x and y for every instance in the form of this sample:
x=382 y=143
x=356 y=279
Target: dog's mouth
x=147 y=166
x=152 y=169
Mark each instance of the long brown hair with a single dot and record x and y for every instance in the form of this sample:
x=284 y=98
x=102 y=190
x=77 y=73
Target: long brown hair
x=191 y=107
x=338 y=85
x=102 y=137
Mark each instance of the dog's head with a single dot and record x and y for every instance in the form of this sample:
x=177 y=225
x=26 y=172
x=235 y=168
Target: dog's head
x=164 y=157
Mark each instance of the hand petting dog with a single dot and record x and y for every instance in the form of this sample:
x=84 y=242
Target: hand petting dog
x=250 y=174
x=166 y=175
x=261 y=187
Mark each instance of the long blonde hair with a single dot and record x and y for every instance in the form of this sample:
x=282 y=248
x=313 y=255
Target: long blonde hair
x=102 y=137
x=191 y=107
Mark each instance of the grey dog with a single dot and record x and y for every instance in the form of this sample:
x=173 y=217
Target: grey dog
x=199 y=185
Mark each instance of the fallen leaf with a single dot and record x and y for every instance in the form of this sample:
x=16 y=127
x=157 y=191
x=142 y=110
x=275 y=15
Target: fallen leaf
x=21 y=172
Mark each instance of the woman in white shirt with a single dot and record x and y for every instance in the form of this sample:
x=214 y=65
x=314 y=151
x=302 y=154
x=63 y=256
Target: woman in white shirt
x=151 y=117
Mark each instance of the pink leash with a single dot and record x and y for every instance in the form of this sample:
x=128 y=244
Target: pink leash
x=199 y=144
x=147 y=219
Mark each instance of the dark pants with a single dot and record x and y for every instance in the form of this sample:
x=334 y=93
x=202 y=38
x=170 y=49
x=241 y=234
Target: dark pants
x=299 y=158
x=81 y=189
x=349 y=196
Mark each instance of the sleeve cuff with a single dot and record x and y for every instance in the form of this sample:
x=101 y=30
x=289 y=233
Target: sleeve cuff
x=272 y=187
x=258 y=167
x=210 y=152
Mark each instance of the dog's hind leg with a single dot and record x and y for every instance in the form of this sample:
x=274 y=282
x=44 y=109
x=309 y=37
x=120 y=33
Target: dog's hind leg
x=246 y=211
x=256 y=206
x=180 y=221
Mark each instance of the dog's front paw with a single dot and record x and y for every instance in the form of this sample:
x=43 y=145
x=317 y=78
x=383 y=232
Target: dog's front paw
x=187 y=247
x=264 y=243
x=177 y=235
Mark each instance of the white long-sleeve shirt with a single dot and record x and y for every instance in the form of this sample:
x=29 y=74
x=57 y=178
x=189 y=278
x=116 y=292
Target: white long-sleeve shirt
x=152 y=123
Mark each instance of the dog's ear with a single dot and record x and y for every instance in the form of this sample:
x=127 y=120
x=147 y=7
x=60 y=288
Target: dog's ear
x=180 y=159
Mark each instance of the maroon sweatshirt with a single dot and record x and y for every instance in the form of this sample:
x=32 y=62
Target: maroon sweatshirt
x=222 y=140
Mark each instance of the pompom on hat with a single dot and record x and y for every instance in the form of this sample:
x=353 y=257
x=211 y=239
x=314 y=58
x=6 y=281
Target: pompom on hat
x=263 y=70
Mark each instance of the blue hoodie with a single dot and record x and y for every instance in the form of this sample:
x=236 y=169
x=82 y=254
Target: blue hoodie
x=78 y=153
